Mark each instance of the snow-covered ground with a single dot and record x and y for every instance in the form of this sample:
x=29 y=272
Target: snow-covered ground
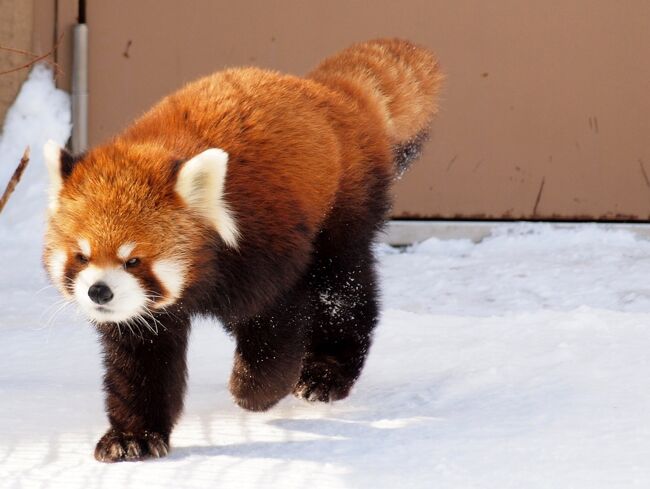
x=519 y=362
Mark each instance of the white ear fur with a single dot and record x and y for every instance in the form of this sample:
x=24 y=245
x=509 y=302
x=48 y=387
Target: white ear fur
x=201 y=183
x=52 y=154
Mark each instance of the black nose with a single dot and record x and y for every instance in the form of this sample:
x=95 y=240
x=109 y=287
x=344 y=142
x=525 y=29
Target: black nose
x=100 y=293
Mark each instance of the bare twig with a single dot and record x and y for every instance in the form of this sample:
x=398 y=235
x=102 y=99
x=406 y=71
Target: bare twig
x=15 y=178
x=19 y=51
x=35 y=58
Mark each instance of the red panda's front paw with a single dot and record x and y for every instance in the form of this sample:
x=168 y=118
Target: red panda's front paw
x=251 y=394
x=115 y=446
x=259 y=389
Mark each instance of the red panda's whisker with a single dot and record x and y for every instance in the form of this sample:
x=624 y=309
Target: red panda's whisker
x=52 y=306
x=44 y=288
x=141 y=321
x=149 y=314
x=131 y=325
x=60 y=307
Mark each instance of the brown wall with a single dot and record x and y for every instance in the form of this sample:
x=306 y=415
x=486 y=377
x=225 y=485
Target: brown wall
x=28 y=29
x=15 y=33
x=546 y=113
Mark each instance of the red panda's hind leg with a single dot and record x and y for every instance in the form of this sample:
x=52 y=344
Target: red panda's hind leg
x=344 y=312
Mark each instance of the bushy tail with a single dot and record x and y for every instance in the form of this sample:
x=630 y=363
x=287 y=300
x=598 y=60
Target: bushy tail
x=402 y=79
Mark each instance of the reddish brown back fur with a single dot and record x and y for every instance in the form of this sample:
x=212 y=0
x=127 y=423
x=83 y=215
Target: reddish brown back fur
x=399 y=79
x=293 y=144
x=310 y=162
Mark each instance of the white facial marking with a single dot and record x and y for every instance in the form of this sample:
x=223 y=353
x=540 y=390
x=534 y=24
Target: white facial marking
x=201 y=183
x=84 y=246
x=129 y=298
x=56 y=267
x=124 y=251
x=171 y=274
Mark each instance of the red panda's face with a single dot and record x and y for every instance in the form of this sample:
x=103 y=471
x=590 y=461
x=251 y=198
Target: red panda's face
x=117 y=283
x=125 y=228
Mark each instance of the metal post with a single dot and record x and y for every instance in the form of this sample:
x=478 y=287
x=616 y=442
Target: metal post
x=80 y=88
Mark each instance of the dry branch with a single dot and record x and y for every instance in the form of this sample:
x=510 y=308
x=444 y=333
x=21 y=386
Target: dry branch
x=15 y=178
x=35 y=58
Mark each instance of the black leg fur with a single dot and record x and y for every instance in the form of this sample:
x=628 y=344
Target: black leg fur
x=344 y=313
x=144 y=383
x=269 y=353
x=343 y=293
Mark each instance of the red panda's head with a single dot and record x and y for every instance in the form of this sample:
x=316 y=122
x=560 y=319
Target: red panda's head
x=126 y=223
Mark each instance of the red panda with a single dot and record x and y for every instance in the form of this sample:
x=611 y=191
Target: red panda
x=250 y=196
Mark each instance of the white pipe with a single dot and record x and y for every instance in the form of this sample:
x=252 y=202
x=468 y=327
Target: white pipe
x=80 y=89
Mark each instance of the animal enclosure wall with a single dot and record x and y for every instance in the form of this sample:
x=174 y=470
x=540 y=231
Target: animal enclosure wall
x=545 y=114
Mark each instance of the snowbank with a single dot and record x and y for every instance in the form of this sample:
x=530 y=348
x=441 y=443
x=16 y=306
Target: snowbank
x=40 y=112
x=518 y=362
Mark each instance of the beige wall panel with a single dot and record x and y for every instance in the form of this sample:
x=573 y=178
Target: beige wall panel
x=44 y=28
x=15 y=33
x=546 y=112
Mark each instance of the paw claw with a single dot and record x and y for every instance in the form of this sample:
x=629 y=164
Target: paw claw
x=157 y=448
x=153 y=450
x=322 y=380
x=116 y=447
x=132 y=450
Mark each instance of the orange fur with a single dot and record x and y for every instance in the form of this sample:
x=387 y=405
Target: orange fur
x=400 y=80
x=298 y=151
x=158 y=225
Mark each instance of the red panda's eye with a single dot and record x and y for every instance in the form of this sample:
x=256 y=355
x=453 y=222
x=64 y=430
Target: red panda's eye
x=83 y=259
x=133 y=262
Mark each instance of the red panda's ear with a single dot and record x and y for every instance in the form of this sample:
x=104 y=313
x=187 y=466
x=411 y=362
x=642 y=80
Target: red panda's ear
x=59 y=166
x=200 y=183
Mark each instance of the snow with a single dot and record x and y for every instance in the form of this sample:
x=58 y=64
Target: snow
x=521 y=361
x=40 y=112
